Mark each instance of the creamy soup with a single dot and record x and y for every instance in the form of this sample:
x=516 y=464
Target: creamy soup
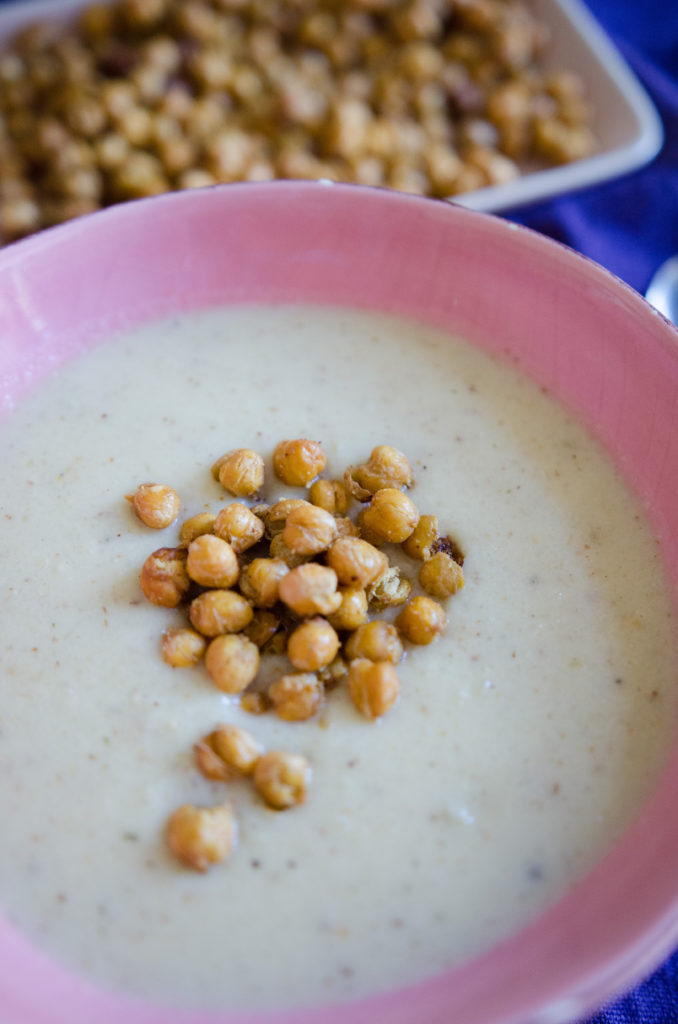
x=524 y=739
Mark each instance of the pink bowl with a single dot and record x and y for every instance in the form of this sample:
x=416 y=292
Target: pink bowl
x=583 y=335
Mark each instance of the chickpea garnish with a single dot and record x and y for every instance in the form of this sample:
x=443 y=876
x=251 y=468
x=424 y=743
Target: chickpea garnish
x=309 y=530
x=212 y=562
x=374 y=686
x=238 y=525
x=356 y=562
x=279 y=549
x=386 y=467
x=346 y=527
x=441 y=576
x=254 y=702
x=196 y=526
x=240 y=471
x=282 y=779
x=389 y=589
x=298 y=462
x=422 y=620
x=334 y=674
x=276 y=515
x=376 y=641
x=312 y=645
x=352 y=612
x=202 y=836
x=182 y=648
x=262 y=628
x=296 y=697
x=310 y=589
x=232 y=662
x=220 y=611
x=331 y=495
x=228 y=752
x=260 y=581
x=420 y=542
x=391 y=515
x=164 y=578
x=156 y=505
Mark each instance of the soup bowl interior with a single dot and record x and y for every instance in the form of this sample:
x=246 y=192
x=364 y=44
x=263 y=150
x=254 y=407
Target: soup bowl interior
x=595 y=345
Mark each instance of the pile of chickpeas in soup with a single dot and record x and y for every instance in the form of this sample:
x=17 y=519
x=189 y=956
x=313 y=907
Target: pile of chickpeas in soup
x=301 y=578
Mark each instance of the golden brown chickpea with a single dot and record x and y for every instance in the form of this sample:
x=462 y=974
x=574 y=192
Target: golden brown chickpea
x=254 y=702
x=376 y=641
x=346 y=527
x=238 y=525
x=276 y=515
x=420 y=542
x=220 y=611
x=310 y=589
x=212 y=562
x=232 y=662
x=196 y=526
x=356 y=562
x=156 y=505
x=374 y=686
x=227 y=753
x=389 y=589
x=260 y=581
x=352 y=612
x=312 y=645
x=164 y=579
x=195 y=177
x=441 y=575
x=182 y=648
x=331 y=495
x=309 y=530
x=240 y=471
x=391 y=515
x=334 y=674
x=422 y=620
x=262 y=628
x=296 y=697
x=386 y=467
x=279 y=549
x=202 y=836
x=282 y=779
x=298 y=462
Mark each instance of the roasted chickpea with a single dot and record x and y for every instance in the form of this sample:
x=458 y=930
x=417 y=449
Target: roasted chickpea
x=352 y=612
x=279 y=549
x=276 y=515
x=232 y=662
x=238 y=525
x=156 y=505
x=376 y=641
x=334 y=674
x=282 y=779
x=309 y=530
x=182 y=648
x=196 y=526
x=240 y=471
x=391 y=588
x=422 y=620
x=391 y=515
x=310 y=589
x=262 y=628
x=228 y=752
x=296 y=697
x=441 y=576
x=220 y=611
x=164 y=579
x=346 y=527
x=298 y=462
x=212 y=562
x=420 y=543
x=356 y=562
x=312 y=645
x=260 y=581
x=374 y=686
x=331 y=495
x=254 y=702
x=386 y=467
x=202 y=836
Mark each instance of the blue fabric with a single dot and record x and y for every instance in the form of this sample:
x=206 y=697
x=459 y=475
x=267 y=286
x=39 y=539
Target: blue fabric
x=630 y=226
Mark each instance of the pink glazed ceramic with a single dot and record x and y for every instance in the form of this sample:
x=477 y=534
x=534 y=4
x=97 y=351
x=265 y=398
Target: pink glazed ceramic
x=595 y=344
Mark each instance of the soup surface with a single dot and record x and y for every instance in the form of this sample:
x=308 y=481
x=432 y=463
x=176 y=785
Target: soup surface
x=524 y=740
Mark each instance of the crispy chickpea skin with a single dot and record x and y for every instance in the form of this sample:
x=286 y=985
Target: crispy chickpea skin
x=441 y=576
x=262 y=628
x=282 y=779
x=298 y=462
x=156 y=505
x=202 y=836
x=422 y=620
x=240 y=471
x=276 y=515
x=212 y=562
x=356 y=562
x=228 y=752
x=196 y=526
x=260 y=581
x=391 y=515
x=352 y=612
x=220 y=611
x=386 y=467
x=312 y=645
x=310 y=589
x=376 y=641
x=182 y=648
x=309 y=530
x=279 y=549
x=232 y=662
x=296 y=697
x=420 y=542
x=164 y=579
x=238 y=525
x=331 y=495
x=374 y=686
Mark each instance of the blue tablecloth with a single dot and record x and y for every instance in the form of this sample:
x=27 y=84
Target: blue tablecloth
x=630 y=226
